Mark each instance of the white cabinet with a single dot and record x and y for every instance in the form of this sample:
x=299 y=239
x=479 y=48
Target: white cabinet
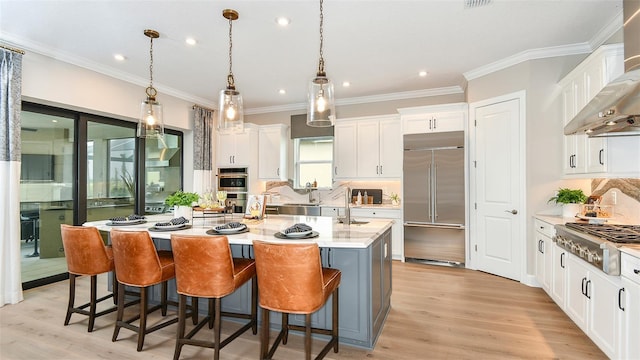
x=272 y=152
x=592 y=303
x=559 y=275
x=436 y=118
x=544 y=270
x=397 y=230
x=344 y=154
x=379 y=149
x=630 y=294
x=331 y=211
x=236 y=149
x=582 y=154
x=368 y=147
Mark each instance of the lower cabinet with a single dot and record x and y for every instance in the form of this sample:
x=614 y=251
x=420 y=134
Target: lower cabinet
x=397 y=248
x=364 y=292
x=559 y=275
x=593 y=304
x=630 y=298
x=544 y=269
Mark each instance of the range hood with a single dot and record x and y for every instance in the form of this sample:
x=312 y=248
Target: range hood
x=615 y=110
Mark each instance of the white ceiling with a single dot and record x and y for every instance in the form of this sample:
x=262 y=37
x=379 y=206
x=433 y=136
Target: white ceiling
x=378 y=46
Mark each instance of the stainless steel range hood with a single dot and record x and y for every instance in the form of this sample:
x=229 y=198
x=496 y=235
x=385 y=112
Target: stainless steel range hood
x=615 y=110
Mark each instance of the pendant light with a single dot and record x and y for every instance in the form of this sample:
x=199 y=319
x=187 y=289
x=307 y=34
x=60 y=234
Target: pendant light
x=230 y=109
x=150 y=123
x=321 y=103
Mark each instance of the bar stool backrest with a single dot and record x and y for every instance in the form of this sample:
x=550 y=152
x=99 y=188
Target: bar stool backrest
x=204 y=265
x=289 y=277
x=84 y=250
x=135 y=257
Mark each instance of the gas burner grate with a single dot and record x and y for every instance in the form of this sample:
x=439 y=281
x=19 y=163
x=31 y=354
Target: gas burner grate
x=613 y=233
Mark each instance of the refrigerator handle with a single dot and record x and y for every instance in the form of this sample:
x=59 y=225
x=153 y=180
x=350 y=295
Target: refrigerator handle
x=435 y=192
x=429 y=193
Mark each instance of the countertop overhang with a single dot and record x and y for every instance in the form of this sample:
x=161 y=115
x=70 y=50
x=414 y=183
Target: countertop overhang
x=331 y=232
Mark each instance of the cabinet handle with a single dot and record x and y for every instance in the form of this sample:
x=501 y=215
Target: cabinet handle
x=329 y=258
x=584 y=292
x=620 y=291
x=600 y=156
x=588 y=291
x=430 y=121
x=636 y=271
x=278 y=171
x=561 y=260
x=435 y=122
x=380 y=169
x=230 y=159
x=377 y=173
x=335 y=170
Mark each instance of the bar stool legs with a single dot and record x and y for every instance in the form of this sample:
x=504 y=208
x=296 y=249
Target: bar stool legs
x=92 y=304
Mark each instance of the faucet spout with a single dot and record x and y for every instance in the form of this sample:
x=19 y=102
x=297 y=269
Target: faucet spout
x=347 y=209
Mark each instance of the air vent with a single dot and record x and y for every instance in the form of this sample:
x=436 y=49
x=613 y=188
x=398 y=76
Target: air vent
x=475 y=3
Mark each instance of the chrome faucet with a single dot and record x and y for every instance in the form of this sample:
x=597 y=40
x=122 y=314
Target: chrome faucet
x=347 y=209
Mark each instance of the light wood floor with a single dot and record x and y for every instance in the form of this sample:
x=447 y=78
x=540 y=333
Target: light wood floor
x=437 y=313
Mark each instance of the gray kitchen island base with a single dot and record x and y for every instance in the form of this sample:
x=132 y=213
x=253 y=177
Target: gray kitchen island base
x=365 y=291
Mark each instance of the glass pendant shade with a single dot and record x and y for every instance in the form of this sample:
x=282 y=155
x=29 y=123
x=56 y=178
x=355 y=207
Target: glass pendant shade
x=321 y=103
x=150 y=124
x=230 y=112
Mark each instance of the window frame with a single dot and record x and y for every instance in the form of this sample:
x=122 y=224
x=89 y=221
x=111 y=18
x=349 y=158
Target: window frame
x=297 y=162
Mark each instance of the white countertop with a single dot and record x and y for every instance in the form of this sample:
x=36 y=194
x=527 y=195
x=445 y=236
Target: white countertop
x=367 y=206
x=331 y=233
x=633 y=250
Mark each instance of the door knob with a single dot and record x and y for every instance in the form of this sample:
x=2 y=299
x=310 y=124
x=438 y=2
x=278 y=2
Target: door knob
x=514 y=211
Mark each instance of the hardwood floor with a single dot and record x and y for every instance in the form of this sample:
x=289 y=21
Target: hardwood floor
x=437 y=313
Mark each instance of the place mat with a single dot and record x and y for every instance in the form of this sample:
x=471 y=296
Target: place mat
x=110 y=223
x=153 y=228
x=280 y=235
x=215 y=232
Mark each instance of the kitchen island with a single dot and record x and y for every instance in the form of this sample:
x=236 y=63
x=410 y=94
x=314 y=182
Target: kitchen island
x=361 y=252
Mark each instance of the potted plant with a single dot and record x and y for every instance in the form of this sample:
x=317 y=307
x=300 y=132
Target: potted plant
x=182 y=202
x=395 y=199
x=570 y=200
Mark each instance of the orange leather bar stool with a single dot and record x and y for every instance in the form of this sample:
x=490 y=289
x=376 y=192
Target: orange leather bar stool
x=291 y=280
x=205 y=268
x=139 y=264
x=86 y=255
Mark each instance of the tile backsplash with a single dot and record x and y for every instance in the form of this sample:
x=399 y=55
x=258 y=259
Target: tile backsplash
x=623 y=194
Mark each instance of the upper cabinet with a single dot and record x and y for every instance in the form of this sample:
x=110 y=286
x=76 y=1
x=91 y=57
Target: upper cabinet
x=435 y=118
x=367 y=148
x=237 y=149
x=272 y=152
x=612 y=156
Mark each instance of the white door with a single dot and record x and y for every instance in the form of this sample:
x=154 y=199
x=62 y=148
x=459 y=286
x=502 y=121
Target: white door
x=499 y=189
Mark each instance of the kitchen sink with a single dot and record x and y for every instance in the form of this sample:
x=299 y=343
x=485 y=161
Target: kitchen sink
x=301 y=204
x=353 y=221
x=295 y=209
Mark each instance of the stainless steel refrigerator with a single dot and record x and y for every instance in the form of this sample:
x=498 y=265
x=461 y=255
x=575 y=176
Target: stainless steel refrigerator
x=434 y=201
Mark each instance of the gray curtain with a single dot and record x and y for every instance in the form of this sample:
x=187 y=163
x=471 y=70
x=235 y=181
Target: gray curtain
x=10 y=93
x=202 y=149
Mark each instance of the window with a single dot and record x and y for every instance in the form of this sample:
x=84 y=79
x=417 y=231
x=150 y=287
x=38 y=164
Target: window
x=313 y=161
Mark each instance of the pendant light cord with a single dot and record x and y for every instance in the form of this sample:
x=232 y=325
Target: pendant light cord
x=230 y=81
x=151 y=64
x=321 y=62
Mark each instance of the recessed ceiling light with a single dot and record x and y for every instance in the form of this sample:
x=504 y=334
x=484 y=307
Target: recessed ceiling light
x=282 y=91
x=422 y=73
x=119 y=57
x=283 y=21
x=346 y=84
x=190 y=41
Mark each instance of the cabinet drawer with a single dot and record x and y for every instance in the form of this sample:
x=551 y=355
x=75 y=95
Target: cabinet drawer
x=544 y=227
x=630 y=267
x=376 y=213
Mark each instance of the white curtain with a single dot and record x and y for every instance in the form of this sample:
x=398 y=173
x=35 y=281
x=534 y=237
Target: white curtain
x=202 y=150
x=10 y=92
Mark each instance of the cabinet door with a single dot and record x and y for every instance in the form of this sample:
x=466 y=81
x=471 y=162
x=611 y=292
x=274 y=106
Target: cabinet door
x=416 y=124
x=272 y=154
x=368 y=149
x=242 y=155
x=448 y=121
x=596 y=155
x=225 y=149
x=630 y=334
x=559 y=275
x=543 y=268
x=576 y=298
x=604 y=314
x=390 y=148
x=345 y=154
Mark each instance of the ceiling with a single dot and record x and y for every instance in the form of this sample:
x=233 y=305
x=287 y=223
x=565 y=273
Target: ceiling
x=378 y=46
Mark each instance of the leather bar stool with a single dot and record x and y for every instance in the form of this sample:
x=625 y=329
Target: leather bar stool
x=139 y=264
x=86 y=255
x=205 y=268
x=291 y=280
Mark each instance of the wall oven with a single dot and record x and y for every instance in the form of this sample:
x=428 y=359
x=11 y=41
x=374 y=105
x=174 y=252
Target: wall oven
x=235 y=181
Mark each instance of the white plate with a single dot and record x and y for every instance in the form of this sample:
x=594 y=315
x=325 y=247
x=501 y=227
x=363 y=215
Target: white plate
x=165 y=227
x=298 y=234
x=222 y=230
x=593 y=220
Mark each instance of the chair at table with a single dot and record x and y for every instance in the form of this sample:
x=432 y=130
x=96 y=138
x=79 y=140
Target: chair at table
x=86 y=255
x=291 y=280
x=139 y=264
x=205 y=268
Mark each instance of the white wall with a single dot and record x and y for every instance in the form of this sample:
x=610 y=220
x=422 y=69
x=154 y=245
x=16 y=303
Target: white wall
x=51 y=82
